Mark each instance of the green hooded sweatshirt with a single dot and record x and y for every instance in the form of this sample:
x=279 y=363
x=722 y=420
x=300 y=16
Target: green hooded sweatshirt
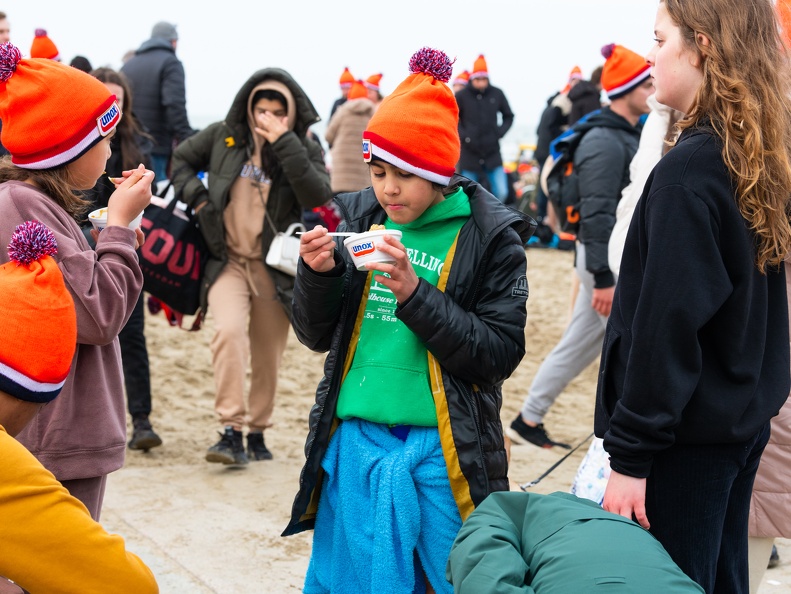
x=388 y=381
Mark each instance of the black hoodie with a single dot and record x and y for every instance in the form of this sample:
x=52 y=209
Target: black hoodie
x=696 y=349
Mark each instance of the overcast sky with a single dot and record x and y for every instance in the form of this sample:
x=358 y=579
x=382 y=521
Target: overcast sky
x=530 y=45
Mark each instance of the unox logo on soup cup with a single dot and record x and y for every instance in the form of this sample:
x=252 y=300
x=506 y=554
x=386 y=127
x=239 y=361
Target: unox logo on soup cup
x=362 y=247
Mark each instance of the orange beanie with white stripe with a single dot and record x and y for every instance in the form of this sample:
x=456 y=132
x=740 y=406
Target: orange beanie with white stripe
x=38 y=322
x=52 y=114
x=416 y=126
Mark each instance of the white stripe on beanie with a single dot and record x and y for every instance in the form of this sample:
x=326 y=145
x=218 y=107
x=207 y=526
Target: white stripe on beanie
x=27 y=382
x=66 y=156
x=614 y=93
x=431 y=176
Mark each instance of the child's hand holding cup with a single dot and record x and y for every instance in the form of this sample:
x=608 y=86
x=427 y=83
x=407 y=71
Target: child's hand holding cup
x=125 y=206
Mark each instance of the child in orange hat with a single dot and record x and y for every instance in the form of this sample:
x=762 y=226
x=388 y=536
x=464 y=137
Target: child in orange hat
x=57 y=126
x=39 y=329
x=405 y=439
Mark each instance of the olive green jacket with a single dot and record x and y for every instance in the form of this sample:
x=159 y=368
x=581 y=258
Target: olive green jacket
x=222 y=149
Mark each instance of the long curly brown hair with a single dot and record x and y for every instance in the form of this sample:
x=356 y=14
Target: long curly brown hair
x=745 y=98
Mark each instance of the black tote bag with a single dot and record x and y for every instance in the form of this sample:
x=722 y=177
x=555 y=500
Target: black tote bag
x=173 y=256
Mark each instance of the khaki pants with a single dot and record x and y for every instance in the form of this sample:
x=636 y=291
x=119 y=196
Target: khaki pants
x=250 y=324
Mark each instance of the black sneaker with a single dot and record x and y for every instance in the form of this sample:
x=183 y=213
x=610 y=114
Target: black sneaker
x=229 y=450
x=256 y=449
x=774 y=558
x=143 y=436
x=522 y=433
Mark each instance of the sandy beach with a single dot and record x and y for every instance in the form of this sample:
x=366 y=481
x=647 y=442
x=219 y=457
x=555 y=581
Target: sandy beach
x=206 y=528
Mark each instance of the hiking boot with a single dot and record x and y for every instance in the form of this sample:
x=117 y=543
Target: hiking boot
x=774 y=558
x=229 y=450
x=143 y=436
x=522 y=433
x=256 y=449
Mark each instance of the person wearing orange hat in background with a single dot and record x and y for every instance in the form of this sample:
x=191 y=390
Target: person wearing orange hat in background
x=346 y=81
x=58 y=123
x=349 y=172
x=609 y=140
x=480 y=104
x=405 y=352
x=574 y=77
x=43 y=47
x=460 y=81
x=372 y=83
x=48 y=540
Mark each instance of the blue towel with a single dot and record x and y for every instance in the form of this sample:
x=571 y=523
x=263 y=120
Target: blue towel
x=383 y=501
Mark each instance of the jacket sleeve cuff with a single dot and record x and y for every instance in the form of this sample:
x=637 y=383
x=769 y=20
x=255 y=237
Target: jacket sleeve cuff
x=411 y=306
x=603 y=280
x=637 y=467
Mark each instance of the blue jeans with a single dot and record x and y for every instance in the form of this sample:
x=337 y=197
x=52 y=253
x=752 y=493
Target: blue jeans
x=698 y=502
x=498 y=181
x=160 y=164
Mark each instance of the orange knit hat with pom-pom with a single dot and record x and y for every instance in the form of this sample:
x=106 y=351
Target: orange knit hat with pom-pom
x=416 y=126
x=43 y=47
x=358 y=91
x=347 y=79
x=372 y=82
x=623 y=70
x=39 y=322
x=52 y=114
x=479 y=69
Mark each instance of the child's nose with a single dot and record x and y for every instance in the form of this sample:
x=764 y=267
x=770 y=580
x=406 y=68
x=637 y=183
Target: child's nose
x=391 y=187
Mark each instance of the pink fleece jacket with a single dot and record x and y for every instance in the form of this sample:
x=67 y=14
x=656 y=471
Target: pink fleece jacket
x=82 y=433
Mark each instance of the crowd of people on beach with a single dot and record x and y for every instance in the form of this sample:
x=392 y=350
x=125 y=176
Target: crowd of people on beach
x=679 y=166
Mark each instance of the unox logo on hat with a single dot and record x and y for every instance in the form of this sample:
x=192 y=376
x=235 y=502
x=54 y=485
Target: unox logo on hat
x=109 y=119
x=362 y=249
x=366 y=150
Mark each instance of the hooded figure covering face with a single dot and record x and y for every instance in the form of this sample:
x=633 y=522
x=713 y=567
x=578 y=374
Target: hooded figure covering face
x=263 y=170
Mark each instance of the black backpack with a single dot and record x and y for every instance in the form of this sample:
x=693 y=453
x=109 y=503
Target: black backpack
x=562 y=183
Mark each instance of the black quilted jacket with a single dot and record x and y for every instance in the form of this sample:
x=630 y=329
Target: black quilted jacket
x=475 y=329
